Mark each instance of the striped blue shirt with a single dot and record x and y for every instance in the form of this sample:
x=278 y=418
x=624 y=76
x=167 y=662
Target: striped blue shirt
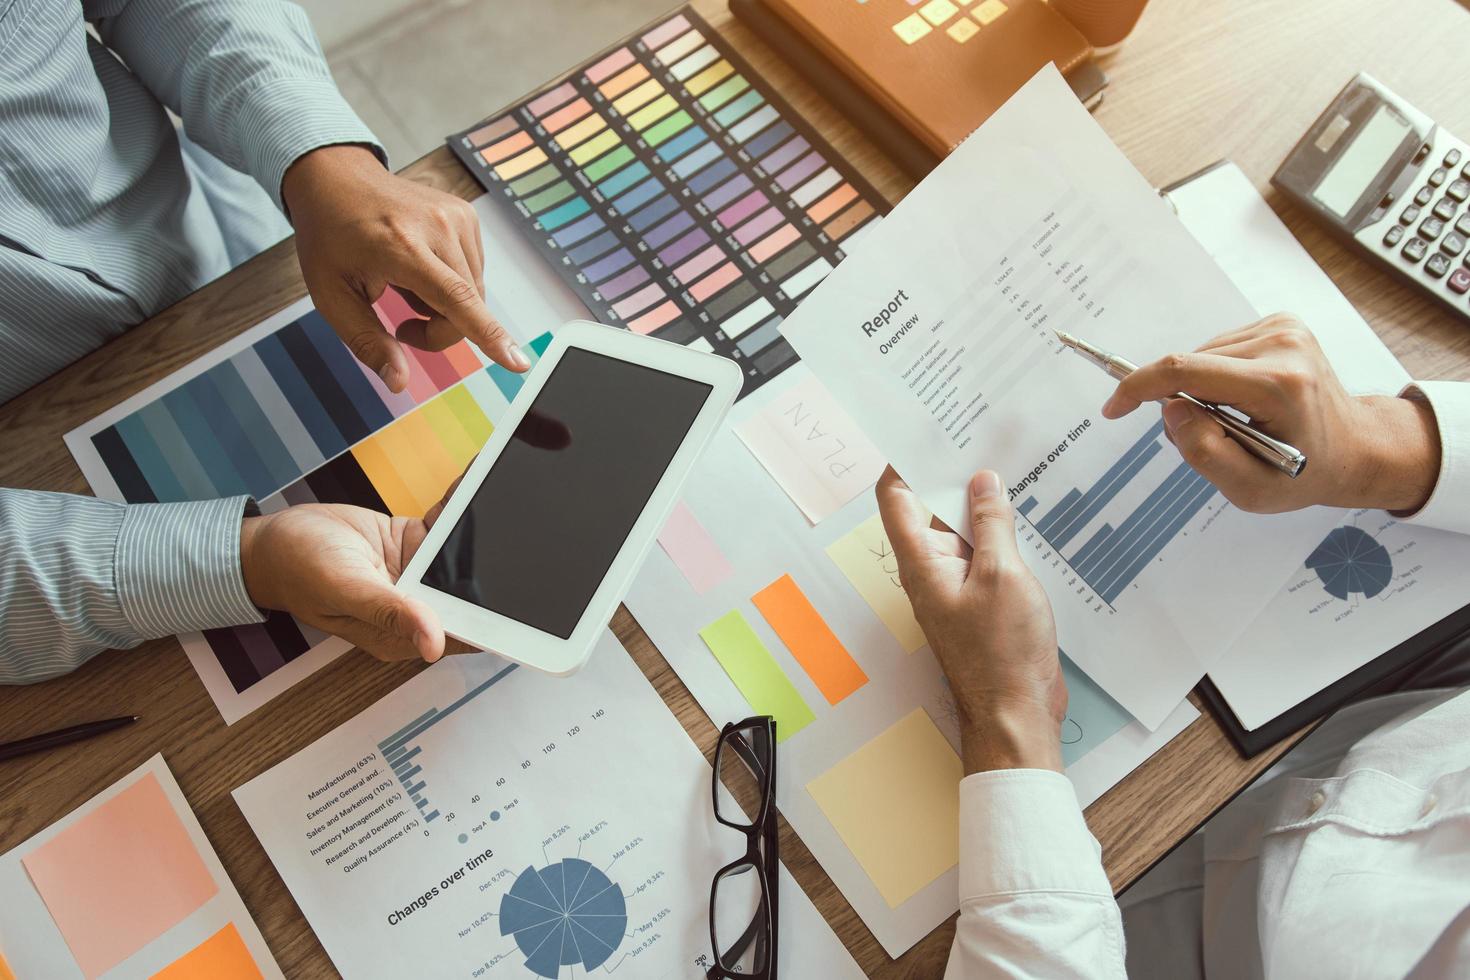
x=108 y=213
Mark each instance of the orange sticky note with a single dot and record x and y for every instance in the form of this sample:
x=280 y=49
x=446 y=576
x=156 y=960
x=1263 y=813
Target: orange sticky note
x=6 y=973
x=809 y=638
x=222 y=956
x=120 y=877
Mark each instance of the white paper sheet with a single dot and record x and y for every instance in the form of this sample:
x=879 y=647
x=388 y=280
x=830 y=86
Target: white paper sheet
x=1318 y=629
x=762 y=537
x=936 y=335
x=526 y=777
x=35 y=946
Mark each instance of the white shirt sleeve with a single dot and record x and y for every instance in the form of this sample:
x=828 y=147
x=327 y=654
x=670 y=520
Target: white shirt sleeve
x=1449 y=504
x=1034 y=901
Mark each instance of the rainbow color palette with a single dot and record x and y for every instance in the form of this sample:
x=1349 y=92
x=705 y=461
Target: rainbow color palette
x=675 y=193
x=286 y=414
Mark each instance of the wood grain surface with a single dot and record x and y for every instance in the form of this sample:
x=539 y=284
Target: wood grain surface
x=1199 y=80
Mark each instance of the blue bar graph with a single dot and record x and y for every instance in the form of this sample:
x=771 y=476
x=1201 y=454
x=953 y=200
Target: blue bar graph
x=1115 y=554
x=397 y=750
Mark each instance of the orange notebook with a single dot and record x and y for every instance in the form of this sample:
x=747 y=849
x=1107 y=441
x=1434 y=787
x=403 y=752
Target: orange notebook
x=940 y=67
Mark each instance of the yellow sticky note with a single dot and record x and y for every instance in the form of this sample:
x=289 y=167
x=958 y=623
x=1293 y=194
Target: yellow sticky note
x=222 y=956
x=937 y=12
x=756 y=673
x=911 y=28
x=895 y=803
x=865 y=557
x=962 y=30
x=989 y=11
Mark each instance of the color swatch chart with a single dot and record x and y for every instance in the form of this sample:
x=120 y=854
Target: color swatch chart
x=287 y=415
x=675 y=193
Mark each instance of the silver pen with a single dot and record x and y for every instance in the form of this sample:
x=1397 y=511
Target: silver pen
x=1283 y=456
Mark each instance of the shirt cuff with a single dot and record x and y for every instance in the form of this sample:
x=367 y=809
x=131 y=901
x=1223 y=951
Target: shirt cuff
x=1450 y=401
x=1021 y=830
x=287 y=118
x=178 y=567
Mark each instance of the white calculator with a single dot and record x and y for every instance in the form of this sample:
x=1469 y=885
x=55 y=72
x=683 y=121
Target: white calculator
x=1383 y=175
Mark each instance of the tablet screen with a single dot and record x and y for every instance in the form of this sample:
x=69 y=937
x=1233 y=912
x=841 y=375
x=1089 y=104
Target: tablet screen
x=548 y=520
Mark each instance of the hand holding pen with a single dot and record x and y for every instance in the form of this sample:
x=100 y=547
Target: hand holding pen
x=1370 y=451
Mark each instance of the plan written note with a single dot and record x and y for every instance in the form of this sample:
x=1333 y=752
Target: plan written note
x=812 y=448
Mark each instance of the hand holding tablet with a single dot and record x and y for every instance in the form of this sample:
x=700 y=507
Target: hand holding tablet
x=543 y=535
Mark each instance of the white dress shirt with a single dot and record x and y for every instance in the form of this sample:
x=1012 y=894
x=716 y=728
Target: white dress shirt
x=1351 y=858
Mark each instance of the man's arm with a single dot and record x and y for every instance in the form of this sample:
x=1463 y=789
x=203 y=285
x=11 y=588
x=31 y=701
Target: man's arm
x=246 y=76
x=1448 y=506
x=250 y=83
x=80 y=575
x=1034 y=900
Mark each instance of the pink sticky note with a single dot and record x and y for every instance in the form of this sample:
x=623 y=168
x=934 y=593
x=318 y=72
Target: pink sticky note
x=695 y=553
x=120 y=877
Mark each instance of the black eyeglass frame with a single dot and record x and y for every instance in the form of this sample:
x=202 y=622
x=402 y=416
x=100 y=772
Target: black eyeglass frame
x=761 y=851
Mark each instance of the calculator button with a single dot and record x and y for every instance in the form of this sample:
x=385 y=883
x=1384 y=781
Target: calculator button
x=1438 y=177
x=1422 y=154
x=1410 y=215
x=1444 y=209
x=1394 y=233
x=1425 y=195
x=1453 y=244
x=1459 y=281
x=1459 y=190
x=1415 y=248
x=1462 y=227
x=1431 y=228
x=1437 y=265
x=1451 y=158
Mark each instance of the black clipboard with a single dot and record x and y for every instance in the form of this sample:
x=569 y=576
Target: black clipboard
x=1386 y=673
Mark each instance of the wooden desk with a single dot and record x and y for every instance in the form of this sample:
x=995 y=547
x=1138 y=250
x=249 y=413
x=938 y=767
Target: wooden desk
x=1200 y=80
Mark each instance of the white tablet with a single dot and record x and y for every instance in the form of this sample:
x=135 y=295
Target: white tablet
x=552 y=520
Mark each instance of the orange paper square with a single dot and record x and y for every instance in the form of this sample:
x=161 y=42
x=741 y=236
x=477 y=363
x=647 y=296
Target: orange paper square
x=222 y=956
x=120 y=877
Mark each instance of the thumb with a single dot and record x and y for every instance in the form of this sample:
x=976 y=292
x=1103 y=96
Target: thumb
x=992 y=523
x=1213 y=454
x=358 y=326
x=392 y=625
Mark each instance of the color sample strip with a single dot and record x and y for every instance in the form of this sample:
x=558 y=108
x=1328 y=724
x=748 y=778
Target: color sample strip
x=895 y=804
x=809 y=638
x=120 y=877
x=413 y=461
x=698 y=169
x=755 y=672
x=693 y=551
x=223 y=956
x=259 y=420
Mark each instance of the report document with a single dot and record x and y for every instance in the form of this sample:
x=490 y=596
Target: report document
x=937 y=336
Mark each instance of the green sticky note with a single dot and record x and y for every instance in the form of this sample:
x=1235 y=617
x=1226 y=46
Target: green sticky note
x=756 y=673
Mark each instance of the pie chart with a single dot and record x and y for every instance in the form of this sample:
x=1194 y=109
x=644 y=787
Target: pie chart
x=566 y=914
x=1350 y=561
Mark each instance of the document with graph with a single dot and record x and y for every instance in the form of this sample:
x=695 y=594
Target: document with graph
x=936 y=336
x=485 y=820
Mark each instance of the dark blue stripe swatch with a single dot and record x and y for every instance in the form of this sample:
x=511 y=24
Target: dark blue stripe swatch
x=317 y=421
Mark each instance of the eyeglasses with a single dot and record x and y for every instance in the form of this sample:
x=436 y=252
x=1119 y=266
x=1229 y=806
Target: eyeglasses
x=742 y=898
